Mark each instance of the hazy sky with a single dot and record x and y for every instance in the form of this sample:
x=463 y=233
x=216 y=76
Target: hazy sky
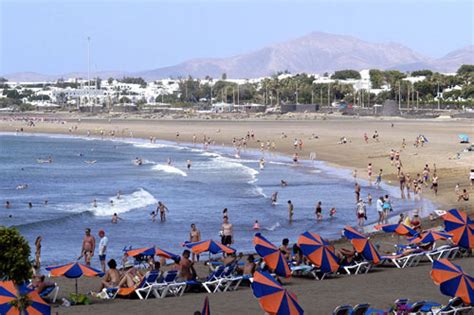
x=51 y=36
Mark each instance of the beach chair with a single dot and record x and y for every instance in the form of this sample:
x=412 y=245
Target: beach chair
x=454 y=306
x=50 y=292
x=416 y=307
x=213 y=281
x=357 y=267
x=149 y=280
x=342 y=310
x=168 y=285
x=445 y=251
x=402 y=261
x=360 y=309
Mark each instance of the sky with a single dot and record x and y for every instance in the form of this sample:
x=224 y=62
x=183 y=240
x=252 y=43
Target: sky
x=50 y=37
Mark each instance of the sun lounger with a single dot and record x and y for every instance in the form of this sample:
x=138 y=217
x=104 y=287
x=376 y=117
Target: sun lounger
x=403 y=261
x=168 y=285
x=342 y=310
x=442 y=252
x=50 y=292
x=213 y=282
x=360 y=309
x=149 y=280
x=454 y=306
x=357 y=267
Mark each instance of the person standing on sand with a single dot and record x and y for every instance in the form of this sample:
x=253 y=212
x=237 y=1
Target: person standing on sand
x=378 y=180
x=194 y=236
x=434 y=183
x=162 y=209
x=369 y=173
x=357 y=191
x=103 y=243
x=38 y=252
x=361 y=213
x=88 y=247
x=290 y=211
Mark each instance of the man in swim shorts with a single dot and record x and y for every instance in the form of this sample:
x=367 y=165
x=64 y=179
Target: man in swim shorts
x=88 y=247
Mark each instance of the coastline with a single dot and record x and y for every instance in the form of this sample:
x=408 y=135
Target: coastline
x=355 y=289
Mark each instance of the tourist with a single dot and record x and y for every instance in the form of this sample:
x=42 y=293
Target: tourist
x=318 y=211
x=369 y=172
x=153 y=215
x=7 y=204
x=357 y=191
x=103 y=243
x=188 y=164
x=38 y=252
x=162 y=209
x=39 y=285
x=274 y=198
x=379 y=207
x=284 y=249
x=369 y=199
x=283 y=183
x=256 y=226
x=332 y=212
x=378 y=180
x=115 y=218
x=112 y=276
x=295 y=158
x=227 y=232
x=434 y=183
x=186 y=268
x=290 y=211
x=88 y=247
x=250 y=266
x=464 y=196
x=194 y=236
x=471 y=177
x=416 y=223
x=402 y=180
x=131 y=276
x=361 y=213
x=387 y=207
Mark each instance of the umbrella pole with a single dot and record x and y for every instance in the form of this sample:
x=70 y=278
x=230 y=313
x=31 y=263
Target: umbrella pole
x=76 y=287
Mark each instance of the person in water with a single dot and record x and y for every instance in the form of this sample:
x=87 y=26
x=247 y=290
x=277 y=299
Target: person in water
x=256 y=225
x=115 y=218
x=188 y=164
x=88 y=247
x=227 y=232
x=291 y=209
x=319 y=211
x=274 y=198
x=162 y=209
x=194 y=236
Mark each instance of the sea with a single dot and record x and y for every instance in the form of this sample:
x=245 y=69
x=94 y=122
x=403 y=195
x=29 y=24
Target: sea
x=85 y=169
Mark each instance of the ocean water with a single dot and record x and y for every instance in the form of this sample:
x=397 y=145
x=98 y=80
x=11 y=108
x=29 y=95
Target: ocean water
x=216 y=180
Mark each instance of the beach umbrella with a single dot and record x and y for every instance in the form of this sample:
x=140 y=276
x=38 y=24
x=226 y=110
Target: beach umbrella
x=208 y=246
x=461 y=227
x=453 y=281
x=9 y=294
x=205 y=308
x=273 y=298
x=165 y=254
x=362 y=244
x=272 y=256
x=144 y=251
x=73 y=271
x=463 y=138
x=400 y=229
x=430 y=236
x=318 y=251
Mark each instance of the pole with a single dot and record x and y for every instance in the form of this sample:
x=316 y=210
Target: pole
x=438 y=97
x=312 y=96
x=321 y=95
x=89 y=69
x=399 y=96
x=238 y=94
x=329 y=95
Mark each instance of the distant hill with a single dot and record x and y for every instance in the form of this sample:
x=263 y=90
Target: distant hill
x=314 y=53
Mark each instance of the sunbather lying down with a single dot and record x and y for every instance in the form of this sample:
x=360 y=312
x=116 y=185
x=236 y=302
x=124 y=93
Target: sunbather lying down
x=39 y=284
x=346 y=255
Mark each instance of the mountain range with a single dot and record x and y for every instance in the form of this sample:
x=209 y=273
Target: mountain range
x=316 y=52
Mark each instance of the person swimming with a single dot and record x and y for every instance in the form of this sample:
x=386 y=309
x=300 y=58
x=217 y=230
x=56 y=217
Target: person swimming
x=256 y=225
x=274 y=198
x=283 y=183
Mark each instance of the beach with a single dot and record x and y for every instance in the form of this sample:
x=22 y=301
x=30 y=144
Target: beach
x=320 y=135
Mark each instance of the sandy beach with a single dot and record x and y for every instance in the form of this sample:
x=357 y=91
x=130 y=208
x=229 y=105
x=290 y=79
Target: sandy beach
x=380 y=287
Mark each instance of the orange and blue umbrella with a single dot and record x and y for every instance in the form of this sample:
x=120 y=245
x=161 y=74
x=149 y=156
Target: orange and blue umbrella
x=272 y=256
x=208 y=246
x=318 y=251
x=205 y=308
x=453 y=281
x=362 y=244
x=9 y=294
x=430 y=236
x=273 y=298
x=400 y=229
x=461 y=227
x=74 y=271
x=144 y=251
x=165 y=254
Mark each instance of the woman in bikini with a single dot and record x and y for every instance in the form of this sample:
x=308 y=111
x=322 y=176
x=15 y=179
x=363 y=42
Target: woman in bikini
x=194 y=236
